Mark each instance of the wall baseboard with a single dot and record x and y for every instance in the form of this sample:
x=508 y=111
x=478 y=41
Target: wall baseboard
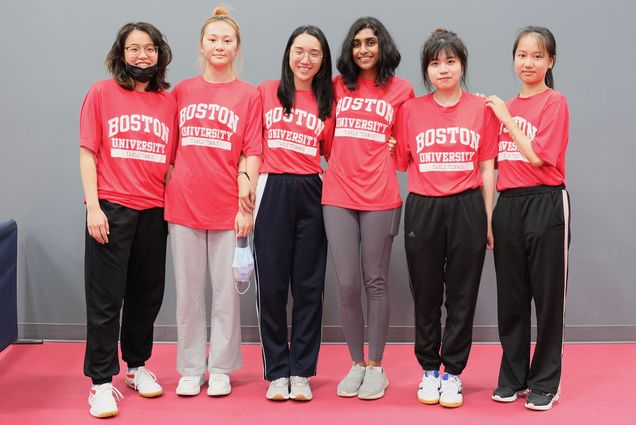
x=333 y=334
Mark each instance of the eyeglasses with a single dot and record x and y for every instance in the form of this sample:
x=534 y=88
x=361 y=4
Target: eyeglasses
x=314 y=55
x=135 y=50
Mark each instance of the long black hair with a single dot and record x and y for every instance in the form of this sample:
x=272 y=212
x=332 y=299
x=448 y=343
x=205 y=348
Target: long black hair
x=442 y=40
x=116 y=64
x=320 y=85
x=547 y=43
x=389 y=54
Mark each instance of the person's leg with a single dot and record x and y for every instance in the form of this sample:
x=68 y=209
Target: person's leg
x=273 y=243
x=550 y=224
x=308 y=276
x=225 y=326
x=343 y=233
x=377 y=230
x=105 y=270
x=513 y=293
x=425 y=247
x=467 y=226
x=144 y=288
x=189 y=261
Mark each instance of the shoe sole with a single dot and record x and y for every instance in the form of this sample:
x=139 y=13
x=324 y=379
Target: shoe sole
x=514 y=397
x=188 y=393
x=375 y=396
x=300 y=397
x=218 y=394
x=145 y=395
x=106 y=414
x=428 y=402
x=451 y=405
x=347 y=395
x=277 y=397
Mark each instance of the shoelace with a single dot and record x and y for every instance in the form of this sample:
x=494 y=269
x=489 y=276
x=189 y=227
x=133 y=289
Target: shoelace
x=142 y=373
x=102 y=391
x=196 y=379
x=217 y=377
x=299 y=381
x=280 y=382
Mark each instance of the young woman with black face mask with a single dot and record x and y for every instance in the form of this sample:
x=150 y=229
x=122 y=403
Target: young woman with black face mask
x=127 y=137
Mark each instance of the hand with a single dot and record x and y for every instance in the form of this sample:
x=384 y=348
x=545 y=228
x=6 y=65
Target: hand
x=97 y=225
x=247 y=194
x=391 y=144
x=243 y=224
x=490 y=239
x=499 y=107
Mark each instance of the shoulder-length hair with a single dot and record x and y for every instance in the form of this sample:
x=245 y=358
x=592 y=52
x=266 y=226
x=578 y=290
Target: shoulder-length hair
x=321 y=84
x=389 y=54
x=116 y=64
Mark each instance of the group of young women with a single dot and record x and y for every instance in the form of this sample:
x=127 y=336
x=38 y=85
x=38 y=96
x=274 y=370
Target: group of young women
x=218 y=156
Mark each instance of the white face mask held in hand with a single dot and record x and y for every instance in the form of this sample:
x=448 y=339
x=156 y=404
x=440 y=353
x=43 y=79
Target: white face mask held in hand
x=243 y=265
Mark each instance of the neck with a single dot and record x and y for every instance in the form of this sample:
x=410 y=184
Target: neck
x=218 y=75
x=369 y=74
x=140 y=86
x=447 y=97
x=530 y=90
x=302 y=85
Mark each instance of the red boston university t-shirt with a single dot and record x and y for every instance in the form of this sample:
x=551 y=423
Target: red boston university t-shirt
x=361 y=173
x=217 y=121
x=293 y=143
x=132 y=134
x=442 y=146
x=545 y=119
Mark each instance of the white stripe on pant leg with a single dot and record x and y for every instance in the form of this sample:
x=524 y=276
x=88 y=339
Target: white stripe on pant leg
x=260 y=189
x=566 y=237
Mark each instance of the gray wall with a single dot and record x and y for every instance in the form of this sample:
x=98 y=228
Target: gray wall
x=53 y=51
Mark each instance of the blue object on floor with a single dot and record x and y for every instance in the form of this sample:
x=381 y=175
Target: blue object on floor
x=8 y=283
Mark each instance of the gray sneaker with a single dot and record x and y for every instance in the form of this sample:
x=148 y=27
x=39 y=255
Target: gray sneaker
x=374 y=384
x=350 y=384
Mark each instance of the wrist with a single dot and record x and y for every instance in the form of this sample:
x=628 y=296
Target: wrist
x=243 y=173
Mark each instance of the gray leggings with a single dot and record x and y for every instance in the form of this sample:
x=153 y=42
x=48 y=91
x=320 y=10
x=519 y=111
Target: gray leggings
x=360 y=248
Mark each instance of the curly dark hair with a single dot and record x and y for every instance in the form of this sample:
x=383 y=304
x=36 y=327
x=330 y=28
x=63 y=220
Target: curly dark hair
x=116 y=64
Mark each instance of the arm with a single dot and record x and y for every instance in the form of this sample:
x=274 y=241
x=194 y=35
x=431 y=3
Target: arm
x=247 y=179
x=243 y=224
x=487 y=170
x=523 y=142
x=96 y=220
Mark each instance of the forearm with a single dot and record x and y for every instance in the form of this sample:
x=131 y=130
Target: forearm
x=88 y=173
x=487 y=170
x=523 y=142
x=253 y=164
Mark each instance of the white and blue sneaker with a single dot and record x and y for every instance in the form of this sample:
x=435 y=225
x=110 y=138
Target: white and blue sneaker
x=451 y=391
x=428 y=392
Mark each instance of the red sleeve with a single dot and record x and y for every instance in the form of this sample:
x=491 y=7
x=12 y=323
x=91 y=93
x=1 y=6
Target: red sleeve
x=327 y=133
x=552 y=131
x=490 y=137
x=253 y=135
x=401 y=155
x=91 y=120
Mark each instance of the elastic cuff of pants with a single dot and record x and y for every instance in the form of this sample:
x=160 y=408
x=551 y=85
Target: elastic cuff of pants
x=136 y=364
x=102 y=380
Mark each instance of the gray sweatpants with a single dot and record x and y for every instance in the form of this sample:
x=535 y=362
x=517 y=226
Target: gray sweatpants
x=195 y=252
x=360 y=248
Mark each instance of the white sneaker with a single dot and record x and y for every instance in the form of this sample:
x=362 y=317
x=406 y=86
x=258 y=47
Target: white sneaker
x=300 y=389
x=190 y=385
x=428 y=392
x=451 y=391
x=219 y=384
x=144 y=382
x=350 y=384
x=103 y=400
x=278 y=389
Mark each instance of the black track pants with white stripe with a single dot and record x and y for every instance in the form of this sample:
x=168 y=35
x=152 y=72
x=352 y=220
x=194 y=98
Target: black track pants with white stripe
x=532 y=236
x=291 y=252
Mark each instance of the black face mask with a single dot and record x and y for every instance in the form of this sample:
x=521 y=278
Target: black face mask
x=141 y=75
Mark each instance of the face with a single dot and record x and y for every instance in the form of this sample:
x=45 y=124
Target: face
x=139 y=50
x=305 y=58
x=366 y=50
x=445 y=72
x=531 y=61
x=219 y=45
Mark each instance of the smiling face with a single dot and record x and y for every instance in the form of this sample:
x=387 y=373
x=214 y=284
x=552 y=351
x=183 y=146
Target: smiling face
x=532 y=62
x=305 y=60
x=366 y=52
x=138 y=49
x=445 y=72
x=219 y=45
